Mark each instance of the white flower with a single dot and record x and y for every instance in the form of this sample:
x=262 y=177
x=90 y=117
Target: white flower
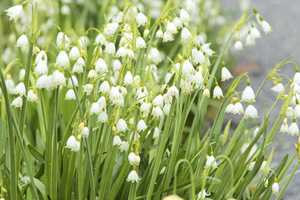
x=284 y=127
x=229 y=108
x=211 y=162
x=124 y=146
x=250 y=40
x=102 y=117
x=62 y=60
x=121 y=52
x=92 y=74
x=190 y=6
x=226 y=75
x=141 y=19
x=157 y=112
x=178 y=23
x=294 y=128
x=206 y=92
x=141 y=126
x=110 y=29
x=77 y=68
x=104 y=87
x=238 y=45
x=248 y=94
x=289 y=112
x=58 y=78
x=145 y=109
x=185 y=34
x=75 y=81
x=73 y=144
x=198 y=56
x=251 y=112
x=275 y=188
x=20 y=89
x=88 y=88
x=43 y=82
x=158 y=101
x=70 y=95
x=251 y=166
x=22 y=41
x=100 y=39
x=116 y=97
x=41 y=68
x=140 y=43
x=296 y=78
x=10 y=85
x=254 y=32
x=184 y=16
x=167 y=108
x=171 y=28
x=95 y=109
x=173 y=92
x=156 y=133
x=128 y=78
x=14 y=12
x=130 y=54
x=205 y=48
x=41 y=56
x=85 y=132
x=17 y=102
x=155 y=56
x=167 y=37
x=83 y=41
x=133 y=177
x=62 y=41
x=278 y=88
x=159 y=34
x=217 y=93
x=110 y=48
x=31 y=96
x=297 y=111
x=131 y=158
x=121 y=126
x=117 y=140
x=266 y=27
x=100 y=66
x=238 y=108
x=202 y=195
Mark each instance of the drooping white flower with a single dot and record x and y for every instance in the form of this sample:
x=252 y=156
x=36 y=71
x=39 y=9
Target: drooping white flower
x=184 y=16
x=14 y=12
x=158 y=101
x=140 y=43
x=217 y=93
x=133 y=177
x=173 y=91
x=31 y=96
x=226 y=75
x=167 y=108
x=100 y=40
x=251 y=166
x=22 y=41
x=77 y=68
x=251 y=112
x=197 y=56
x=85 y=131
x=162 y=170
x=229 y=108
x=248 y=94
x=43 y=82
x=178 y=23
x=211 y=162
x=92 y=74
x=156 y=133
x=289 y=112
x=205 y=48
x=206 y=92
x=124 y=146
x=202 y=195
x=62 y=41
x=250 y=40
x=128 y=78
x=70 y=95
x=10 y=84
x=171 y=28
x=117 y=140
x=131 y=158
x=17 y=102
x=20 y=89
x=254 y=32
x=75 y=81
x=110 y=48
x=275 y=188
x=74 y=53
x=141 y=126
x=58 y=78
x=238 y=45
x=159 y=34
x=238 y=108
x=100 y=66
x=284 y=127
x=83 y=41
x=41 y=68
x=62 y=60
x=157 y=112
x=293 y=129
x=141 y=19
x=185 y=34
x=266 y=27
x=278 y=88
x=104 y=87
x=41 y=56
x=110 y=29
x=95 y=108
x=102 y=117
x=88 y=88
x=73 y=144
x=121 y=126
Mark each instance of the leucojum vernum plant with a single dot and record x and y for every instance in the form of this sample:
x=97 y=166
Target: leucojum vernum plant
x=109 y=100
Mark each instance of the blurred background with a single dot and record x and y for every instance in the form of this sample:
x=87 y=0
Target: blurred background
x=259 y=60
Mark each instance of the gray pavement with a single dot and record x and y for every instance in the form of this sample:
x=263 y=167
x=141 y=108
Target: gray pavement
x=284 y=17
